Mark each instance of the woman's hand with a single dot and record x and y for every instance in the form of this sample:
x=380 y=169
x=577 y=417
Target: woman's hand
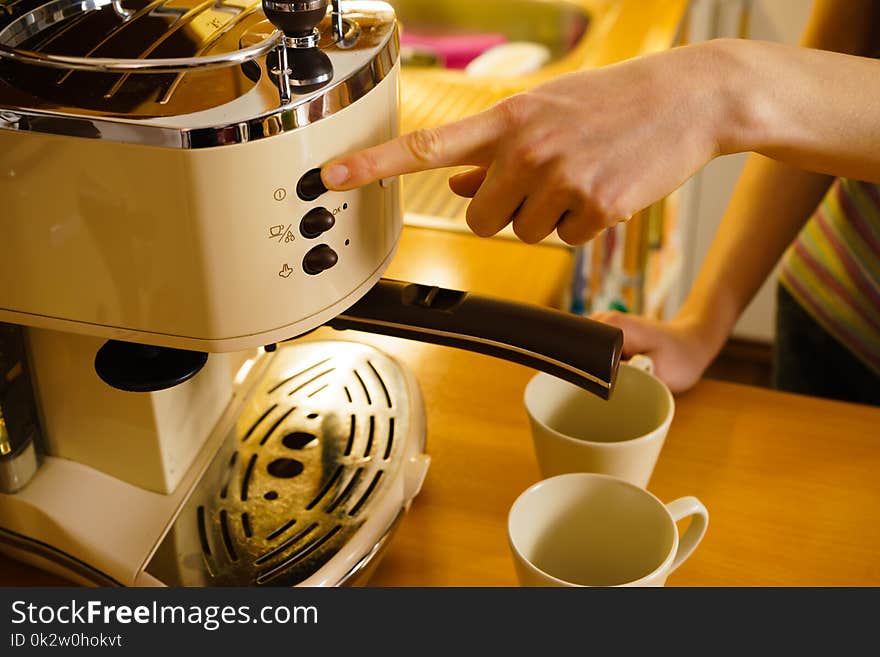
x=577 y=154
x=681 y=349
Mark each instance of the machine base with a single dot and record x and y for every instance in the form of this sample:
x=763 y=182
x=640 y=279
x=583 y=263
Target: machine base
x=302 y=483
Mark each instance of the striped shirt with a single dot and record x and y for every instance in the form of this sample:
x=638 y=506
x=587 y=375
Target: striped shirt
x=833 y=267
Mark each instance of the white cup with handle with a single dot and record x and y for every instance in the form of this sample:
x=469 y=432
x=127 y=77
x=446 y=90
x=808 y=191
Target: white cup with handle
x=575 y=431
x=588 y=529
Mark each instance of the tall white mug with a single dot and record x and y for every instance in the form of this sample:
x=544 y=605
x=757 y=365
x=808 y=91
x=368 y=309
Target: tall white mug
x=576 y=431
x=587 y=529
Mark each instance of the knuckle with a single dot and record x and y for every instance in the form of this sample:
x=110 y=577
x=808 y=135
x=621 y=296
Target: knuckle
x=527 y=155
x=515 y=109
x=616 y=211
x=424 y=144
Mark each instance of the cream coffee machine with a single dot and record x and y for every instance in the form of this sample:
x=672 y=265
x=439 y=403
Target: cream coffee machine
x=164 y=227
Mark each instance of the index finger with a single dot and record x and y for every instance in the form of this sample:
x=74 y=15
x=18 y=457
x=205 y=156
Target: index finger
x=467 y=141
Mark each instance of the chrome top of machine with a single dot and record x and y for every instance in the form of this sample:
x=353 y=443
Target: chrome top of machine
x=181 y=73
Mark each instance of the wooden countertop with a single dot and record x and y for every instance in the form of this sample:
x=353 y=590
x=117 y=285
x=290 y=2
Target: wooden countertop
x=790 y=482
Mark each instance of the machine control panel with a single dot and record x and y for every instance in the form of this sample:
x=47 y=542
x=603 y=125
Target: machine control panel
x=318 y=259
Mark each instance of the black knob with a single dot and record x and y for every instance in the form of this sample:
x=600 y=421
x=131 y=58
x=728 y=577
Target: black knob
x=295 y=17
x=318 y=259
x=310 y=186
x=316 y=222
x=310 y=68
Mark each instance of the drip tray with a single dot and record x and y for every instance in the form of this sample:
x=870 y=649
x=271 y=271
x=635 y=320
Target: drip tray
x=325 y=458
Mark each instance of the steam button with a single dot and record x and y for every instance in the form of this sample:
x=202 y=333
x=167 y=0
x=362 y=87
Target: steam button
x=310 y=186
x=318 y=259
x=316 y=222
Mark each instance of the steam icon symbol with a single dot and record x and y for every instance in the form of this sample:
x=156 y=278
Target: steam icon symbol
x=285 y=271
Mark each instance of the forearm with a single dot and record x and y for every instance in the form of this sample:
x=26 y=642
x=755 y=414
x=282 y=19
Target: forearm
x=773 y=199
x=771 y=203
x=812 y=109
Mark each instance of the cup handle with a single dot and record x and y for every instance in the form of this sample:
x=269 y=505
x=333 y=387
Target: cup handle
x=642 y=362
x=682 y=508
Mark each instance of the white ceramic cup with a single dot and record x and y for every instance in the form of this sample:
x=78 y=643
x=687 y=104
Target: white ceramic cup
x=576 y=431
x=587 y=529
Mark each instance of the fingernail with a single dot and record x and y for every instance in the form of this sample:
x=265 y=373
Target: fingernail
x=335 y=175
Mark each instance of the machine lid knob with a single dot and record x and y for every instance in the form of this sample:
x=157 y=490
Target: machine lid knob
x=318 y=259
x=295 y=17
x=316 y=222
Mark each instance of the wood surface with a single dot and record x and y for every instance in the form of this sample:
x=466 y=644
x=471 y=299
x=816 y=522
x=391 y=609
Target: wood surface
x=791 y=483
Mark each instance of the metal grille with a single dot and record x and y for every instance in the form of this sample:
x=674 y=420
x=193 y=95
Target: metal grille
x=133 y=29
x=314 y=451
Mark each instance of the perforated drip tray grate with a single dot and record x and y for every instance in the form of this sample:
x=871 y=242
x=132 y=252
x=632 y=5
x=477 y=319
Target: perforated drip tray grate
x=311 y=479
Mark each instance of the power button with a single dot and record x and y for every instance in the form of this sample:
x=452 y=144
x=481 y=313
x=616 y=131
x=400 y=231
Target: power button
x=310 y=186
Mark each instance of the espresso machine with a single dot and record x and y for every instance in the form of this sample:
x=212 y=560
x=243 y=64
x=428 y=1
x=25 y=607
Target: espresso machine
x=167 y=245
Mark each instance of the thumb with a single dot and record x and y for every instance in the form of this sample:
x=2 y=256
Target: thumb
x=467 y=141
x=640 y=336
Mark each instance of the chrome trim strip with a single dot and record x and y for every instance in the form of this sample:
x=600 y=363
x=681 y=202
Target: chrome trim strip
x=308 y=41
x=284 y=119
x=492 y=343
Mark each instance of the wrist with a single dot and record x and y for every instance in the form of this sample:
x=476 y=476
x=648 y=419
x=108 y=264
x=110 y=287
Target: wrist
x=744 y=113
x=708 y=327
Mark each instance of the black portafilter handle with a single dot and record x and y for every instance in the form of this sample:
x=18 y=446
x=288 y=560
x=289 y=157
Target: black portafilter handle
x=576 y=349
x=295 y=18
